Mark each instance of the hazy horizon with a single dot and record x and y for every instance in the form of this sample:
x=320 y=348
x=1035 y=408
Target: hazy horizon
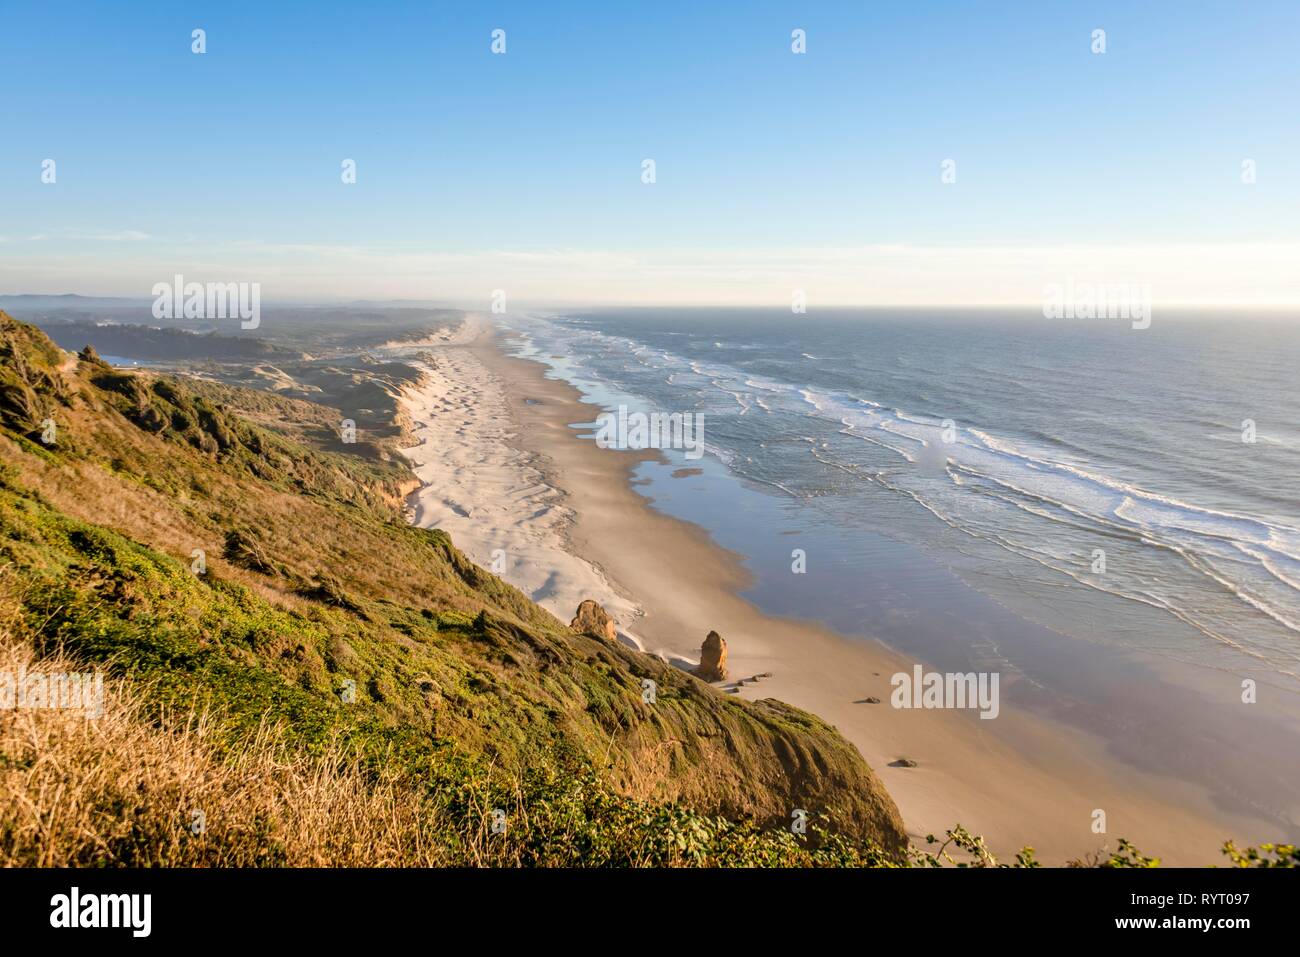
x=1027 y=310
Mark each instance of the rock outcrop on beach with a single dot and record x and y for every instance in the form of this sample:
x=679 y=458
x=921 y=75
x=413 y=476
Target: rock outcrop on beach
x=713 y=658
x=593 y=620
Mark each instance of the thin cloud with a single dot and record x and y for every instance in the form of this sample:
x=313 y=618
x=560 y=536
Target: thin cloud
x=119 y=236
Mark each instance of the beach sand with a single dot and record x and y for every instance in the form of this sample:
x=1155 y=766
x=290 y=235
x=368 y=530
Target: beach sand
x=523 y=493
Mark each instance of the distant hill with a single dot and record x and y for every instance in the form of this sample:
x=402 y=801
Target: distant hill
x=152 y=343
x=291 y=327
x=69 y=301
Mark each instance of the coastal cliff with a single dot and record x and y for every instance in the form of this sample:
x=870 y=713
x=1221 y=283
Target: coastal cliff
x=213 y=549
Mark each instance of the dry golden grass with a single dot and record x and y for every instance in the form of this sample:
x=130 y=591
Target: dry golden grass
x=120 y=790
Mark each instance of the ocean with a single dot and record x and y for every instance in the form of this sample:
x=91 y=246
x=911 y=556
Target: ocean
x=1090 y=507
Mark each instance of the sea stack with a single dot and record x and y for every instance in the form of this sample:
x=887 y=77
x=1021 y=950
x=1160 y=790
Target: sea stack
x=713 y=658
x=593 y=620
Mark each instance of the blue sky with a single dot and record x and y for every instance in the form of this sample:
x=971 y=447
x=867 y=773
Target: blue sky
x=523 y=170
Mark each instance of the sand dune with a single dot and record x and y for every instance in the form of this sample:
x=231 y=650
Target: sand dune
x=491 y=497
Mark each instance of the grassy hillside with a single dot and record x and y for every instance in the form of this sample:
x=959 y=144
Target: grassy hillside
x=267 y=615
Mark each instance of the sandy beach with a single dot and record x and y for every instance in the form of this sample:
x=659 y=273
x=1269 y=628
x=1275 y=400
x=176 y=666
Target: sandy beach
x=525 y=494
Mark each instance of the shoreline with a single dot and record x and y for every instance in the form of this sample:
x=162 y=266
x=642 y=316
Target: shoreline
x=503 y=470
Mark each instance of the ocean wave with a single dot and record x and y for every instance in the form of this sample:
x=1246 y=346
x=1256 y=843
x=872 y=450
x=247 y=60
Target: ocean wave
x=1035 y=479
